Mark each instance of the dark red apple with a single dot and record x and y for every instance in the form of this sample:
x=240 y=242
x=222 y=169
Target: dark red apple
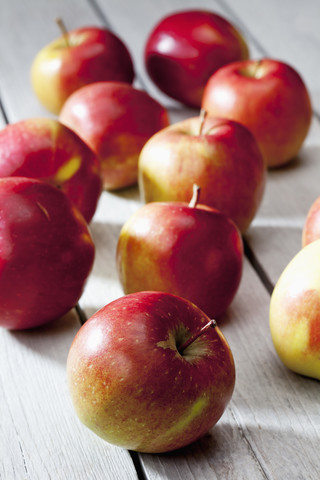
x=43 y=148
x=186 y=47
x=46 y=253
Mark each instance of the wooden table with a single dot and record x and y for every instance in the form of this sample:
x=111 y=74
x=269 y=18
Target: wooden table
x=271 y=429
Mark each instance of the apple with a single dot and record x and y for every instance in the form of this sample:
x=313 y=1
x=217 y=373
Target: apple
x=43 y=148
x=115 y=120
x=186 y=47
x=295 y=312
x=77 y=58
x=311 y=227
x=267 y=96
x=46 y=253
x=148 y=373
x=219 y=155
x=189 y=250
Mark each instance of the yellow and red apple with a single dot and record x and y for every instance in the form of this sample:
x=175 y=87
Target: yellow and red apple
x=295 y=312
x=43 y=148
x=189 y=250
x=77 y=58
x=186 y=47
x=115 y=120
x=267 y=96
x=219 y=155
x=142 y=378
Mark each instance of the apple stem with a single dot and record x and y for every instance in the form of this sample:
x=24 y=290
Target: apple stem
x=202 y=116
x=64 y=31
x=211 y=324
x=256 y=70
x=195 y=196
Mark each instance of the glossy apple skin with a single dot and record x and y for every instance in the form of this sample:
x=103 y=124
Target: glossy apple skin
x=186 y=47
x=93 y=55
x=115 y=120
x=224 y=161
x=192 y=252
x=43 y=148
x=295 y=313
x=130 y=385
x=311 y=228
x=46 y=253
x=267 y=96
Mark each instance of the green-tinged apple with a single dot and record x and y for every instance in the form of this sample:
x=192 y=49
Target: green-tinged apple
x=115 y=120
x=46 y=253
x=295 y=312
x=186 y=47
x=43 y=148
x=311 y=227
x=267 y=96
x=77 y=58
x=148 y=373
x=189 y=250
x=219 y=155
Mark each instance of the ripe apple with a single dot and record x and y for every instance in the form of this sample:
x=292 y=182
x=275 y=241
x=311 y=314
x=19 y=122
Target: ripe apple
x=43 y=148
x=46 y=253
x=295 y=312
x=77 y=58
x=267 y=96
x=147 y=373
x=311 y=228
x=186 y=47
x=192 y=251
x=115 y=120
x=219 y=155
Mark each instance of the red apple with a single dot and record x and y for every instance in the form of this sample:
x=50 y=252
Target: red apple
x=115 y=120
x=311 y=228
x=79 y=57
x=46 y=253
x=186 y=47
x=192 y=251
x=267 y=96
x=219 y=155
x=140 y=379
x=45 y=149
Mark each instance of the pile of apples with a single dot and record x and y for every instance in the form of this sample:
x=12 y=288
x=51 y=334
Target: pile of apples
x=179 y=257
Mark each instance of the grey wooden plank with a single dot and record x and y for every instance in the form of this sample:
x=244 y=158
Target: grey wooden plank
x=40 y=436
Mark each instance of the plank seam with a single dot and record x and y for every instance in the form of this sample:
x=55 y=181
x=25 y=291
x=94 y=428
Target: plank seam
x=258 y=267
x=250 y=447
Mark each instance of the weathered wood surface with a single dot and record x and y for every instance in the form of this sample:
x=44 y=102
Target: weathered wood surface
x=271 y=429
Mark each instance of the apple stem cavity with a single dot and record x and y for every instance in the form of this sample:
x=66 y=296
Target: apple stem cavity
x=202 y=116
x=64 y=31
x=195 y=196
x=211 y=324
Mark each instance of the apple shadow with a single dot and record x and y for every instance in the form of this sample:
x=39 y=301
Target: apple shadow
x=51 y=340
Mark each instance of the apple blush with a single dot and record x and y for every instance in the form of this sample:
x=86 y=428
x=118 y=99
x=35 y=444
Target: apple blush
x=46 y=253
x=147 y=372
